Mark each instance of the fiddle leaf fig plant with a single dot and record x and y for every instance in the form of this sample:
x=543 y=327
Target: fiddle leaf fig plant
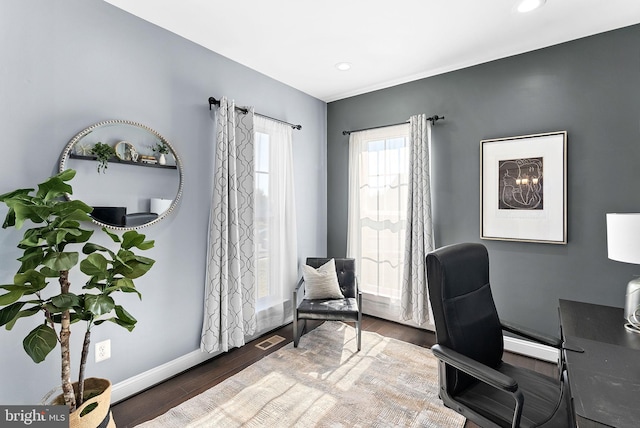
x=49 y=254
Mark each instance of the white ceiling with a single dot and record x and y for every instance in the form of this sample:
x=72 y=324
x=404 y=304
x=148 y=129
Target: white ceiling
x=298 y=42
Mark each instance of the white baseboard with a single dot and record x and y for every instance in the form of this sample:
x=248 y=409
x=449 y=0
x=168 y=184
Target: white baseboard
x=531 y=349
x=138 y=383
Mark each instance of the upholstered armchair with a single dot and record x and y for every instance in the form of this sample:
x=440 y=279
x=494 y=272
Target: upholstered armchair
x=347 y=307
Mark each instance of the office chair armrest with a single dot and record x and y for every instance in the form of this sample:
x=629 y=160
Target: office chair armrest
x=544 y=339
x=473 y=368
x=484 y=374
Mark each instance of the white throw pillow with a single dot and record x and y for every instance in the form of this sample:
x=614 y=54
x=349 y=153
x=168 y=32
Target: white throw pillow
x=322 y=283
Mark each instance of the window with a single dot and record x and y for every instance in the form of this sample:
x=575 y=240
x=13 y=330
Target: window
x=275 y=225
x=378 y=185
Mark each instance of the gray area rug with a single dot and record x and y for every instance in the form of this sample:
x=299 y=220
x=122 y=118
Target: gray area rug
x=325 y=383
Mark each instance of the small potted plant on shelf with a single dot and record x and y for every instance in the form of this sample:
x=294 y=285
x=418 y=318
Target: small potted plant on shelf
x=162 y=149
x=103 y=152
x=49 y=254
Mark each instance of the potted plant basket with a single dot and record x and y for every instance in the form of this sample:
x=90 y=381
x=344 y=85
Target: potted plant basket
x=50 y=253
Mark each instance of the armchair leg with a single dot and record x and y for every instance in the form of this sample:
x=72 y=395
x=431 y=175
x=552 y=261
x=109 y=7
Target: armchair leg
x=298 y=332
x=295 y=332
x=359 y=333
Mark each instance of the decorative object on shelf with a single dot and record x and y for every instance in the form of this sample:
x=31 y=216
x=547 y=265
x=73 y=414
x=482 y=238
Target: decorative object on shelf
x=83 y=150
x=623 y=235
x=148 y=159
x=162 y=150
x=102 y=152
x=33 y=293
x=132 y=182
x=523 y=188
x=126 y=151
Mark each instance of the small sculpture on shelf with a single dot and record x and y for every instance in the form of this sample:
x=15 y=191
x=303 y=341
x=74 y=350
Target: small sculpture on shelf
x=83 y=149
x=103 y=152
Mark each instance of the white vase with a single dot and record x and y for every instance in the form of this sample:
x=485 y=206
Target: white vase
x=162 y=160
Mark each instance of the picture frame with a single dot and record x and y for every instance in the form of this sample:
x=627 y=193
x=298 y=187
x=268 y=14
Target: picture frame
x=523 y=188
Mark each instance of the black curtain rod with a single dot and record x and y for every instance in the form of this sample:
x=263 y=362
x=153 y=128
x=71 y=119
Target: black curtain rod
x=432 y=119
x=213 y=101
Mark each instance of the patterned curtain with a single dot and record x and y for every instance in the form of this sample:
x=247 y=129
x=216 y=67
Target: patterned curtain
x=419 y=232
x=229 y=310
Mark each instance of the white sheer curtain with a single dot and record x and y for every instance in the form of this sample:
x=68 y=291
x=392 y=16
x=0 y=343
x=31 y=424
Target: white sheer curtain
x=378 y=179
x=276 y=240
x=419 y=231
x=229 y=310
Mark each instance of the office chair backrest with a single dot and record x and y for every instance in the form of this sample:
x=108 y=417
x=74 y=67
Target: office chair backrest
x=346 y=270
x=464 y=312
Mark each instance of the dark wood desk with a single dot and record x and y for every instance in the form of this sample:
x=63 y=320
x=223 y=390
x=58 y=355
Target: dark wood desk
x=603 y=364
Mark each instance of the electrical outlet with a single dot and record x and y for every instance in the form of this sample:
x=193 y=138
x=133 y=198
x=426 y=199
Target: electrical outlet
x=103 y=350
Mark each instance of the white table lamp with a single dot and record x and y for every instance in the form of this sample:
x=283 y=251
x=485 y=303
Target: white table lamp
x=623 y=245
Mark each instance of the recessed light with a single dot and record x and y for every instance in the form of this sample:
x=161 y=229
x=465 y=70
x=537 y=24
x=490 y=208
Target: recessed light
x=343 y=66
x=530 y=5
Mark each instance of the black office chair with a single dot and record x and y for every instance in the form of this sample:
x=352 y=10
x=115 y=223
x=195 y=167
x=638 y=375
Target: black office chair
x=474 y=381
x=347 y=309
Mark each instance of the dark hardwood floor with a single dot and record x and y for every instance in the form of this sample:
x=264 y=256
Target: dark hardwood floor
x=157 y=400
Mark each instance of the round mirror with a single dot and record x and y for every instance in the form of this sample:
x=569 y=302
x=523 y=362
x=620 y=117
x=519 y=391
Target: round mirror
x=126 y=151
x=130 y=174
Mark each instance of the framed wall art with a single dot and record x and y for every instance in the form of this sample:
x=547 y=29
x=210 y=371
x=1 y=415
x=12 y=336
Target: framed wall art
x=523 y=188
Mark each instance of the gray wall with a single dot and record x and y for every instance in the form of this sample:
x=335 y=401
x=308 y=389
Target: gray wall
x=69 y=64
x=591 y=89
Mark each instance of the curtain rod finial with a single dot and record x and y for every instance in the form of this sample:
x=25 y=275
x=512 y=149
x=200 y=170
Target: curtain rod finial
x=213 y=101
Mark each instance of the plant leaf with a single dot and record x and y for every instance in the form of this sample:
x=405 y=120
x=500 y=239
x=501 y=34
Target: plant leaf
x=9 y=313
x=67 y=174
x=10 y=297
x=23 y=211
x=95 y=265
x=49 y=273
x=83 y=236
x=53 y=188
x=98 y=304
x=125 y=316
x=16 y=194
x=25 y=313
x=65 y=301
x=39 y=342
x=60 y=261
x=132 y=239
x=31 y=238
x=114 y=237
x=90 y=247
x=117 y=321
x=31 y=258
x=10 y=219
x=35 y=279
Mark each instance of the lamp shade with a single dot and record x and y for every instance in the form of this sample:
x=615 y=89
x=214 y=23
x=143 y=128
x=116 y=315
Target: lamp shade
x=159 y=205
x=623 y=237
